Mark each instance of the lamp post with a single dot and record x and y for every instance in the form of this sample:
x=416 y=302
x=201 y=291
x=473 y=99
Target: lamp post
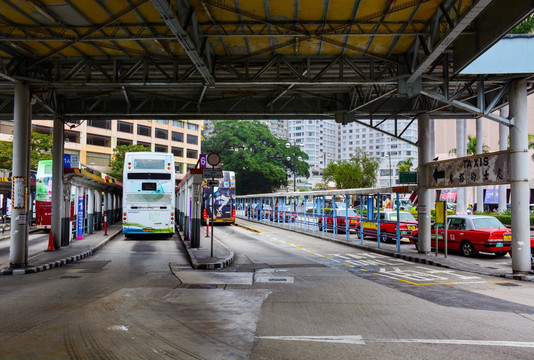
x=388 y=155
x=288 y=146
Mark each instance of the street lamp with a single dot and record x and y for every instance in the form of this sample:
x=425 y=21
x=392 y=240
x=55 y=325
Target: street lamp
x=388 y=155
x=288 y=146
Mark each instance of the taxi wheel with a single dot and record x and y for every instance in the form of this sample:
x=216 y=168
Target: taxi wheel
x=468 y=249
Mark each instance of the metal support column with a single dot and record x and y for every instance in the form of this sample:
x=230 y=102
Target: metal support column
x=519 y=171
x=504 y=132
x=461 y=151
x=58 y=204
x=90 y=210
x=18 y=247
x=479 y=189
x=423 y=209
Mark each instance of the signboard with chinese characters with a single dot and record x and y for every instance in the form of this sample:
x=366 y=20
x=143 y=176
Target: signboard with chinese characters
x=482 y=169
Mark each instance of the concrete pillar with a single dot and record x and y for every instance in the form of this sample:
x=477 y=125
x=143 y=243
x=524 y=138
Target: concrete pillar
x=90 y=210
x=519 y=171
x=461 y=151
x=432 y=155
x=58 y=203
x=98 y=210
x=79 y=211
x=109 y=208
x=479 y=189
x=18 y=251
x=504 y=132
x=196 y=212
x=423 y=192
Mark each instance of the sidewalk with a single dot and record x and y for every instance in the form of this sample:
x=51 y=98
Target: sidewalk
x=201 y=257
x=77 y=250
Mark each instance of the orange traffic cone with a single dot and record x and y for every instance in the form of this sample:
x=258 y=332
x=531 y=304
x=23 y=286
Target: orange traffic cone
x=50 y=242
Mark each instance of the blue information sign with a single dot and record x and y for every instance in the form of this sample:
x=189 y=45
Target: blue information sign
x=80 y=218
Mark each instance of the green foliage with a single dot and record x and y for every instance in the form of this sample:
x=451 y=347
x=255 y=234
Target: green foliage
x=358 y=172
x=525 y=27
x=117 y=163
x=471 y=147
x=320 y=186
x=405 y=165
x=258 y=158
x=40 y=148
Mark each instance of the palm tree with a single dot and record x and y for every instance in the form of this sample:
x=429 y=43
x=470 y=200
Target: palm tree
x=472 y=146
x=406 y=165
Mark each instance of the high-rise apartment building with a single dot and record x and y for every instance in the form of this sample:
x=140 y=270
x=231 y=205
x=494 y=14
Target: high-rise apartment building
x=317 y=138
x=94 y=140
x=387 y=149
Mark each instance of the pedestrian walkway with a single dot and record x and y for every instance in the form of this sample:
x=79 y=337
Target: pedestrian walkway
x=408 y=253
x=78 y=249
x=206 y=256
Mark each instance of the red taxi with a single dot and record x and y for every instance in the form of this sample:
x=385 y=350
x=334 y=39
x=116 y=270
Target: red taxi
x=471 y=234
x=340 y=219
x=283 y=213
x=388 y=225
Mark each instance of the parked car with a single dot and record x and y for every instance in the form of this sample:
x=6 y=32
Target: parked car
x=388 y=225
x=256 y=210
x=471 y=234
x=282 y=211
x=340 y=219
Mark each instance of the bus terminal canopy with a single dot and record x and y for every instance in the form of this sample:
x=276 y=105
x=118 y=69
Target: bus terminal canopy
x=271 y=59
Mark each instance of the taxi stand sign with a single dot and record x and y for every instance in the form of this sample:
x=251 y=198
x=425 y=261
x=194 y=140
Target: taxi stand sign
x=441 y=218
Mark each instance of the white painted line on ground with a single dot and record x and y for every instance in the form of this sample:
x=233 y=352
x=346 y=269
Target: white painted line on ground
x=359 y=340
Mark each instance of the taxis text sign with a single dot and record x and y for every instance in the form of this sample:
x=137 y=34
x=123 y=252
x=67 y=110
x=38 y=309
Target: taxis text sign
x=482 y=169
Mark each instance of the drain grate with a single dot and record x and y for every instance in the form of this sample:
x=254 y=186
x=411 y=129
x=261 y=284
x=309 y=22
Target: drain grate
x=70 y=277
x=507 y=284
x=201 y=286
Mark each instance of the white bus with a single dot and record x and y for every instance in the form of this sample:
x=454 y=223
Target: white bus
x=148 y=193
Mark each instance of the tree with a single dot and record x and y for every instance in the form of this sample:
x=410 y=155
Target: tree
x=117 y=163
x=258 y=158
x=525 y=27
x=40 y=148
x=358 y=172
x=405 y=165
x=471 y=146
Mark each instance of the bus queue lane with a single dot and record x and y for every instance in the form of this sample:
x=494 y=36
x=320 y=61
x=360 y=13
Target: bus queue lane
x=444 y=286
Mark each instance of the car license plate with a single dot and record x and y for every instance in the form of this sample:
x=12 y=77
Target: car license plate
x=507 y=237
x=499 y=245
x=411 y=227
x=352 y=221
x=369 y=225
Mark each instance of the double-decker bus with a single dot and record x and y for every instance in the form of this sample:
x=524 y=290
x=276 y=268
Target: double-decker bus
x=43 y=195
x=148 y=193
x=223 y=199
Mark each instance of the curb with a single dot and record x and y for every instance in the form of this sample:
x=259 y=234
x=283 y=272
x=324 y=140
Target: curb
x=58 y=263
x=247 y=228
x=220 y=264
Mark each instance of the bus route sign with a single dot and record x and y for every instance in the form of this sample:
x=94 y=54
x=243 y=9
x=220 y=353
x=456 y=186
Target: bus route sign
x=212 y=173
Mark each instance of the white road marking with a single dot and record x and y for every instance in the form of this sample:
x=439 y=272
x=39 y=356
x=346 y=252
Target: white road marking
x=359 y=340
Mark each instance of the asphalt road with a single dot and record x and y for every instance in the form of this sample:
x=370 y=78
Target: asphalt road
x=287 y=296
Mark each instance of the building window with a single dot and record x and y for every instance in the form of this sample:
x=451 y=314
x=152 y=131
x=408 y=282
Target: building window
x=102 y=124
x=98 y=140
x=178 y=123
x=192 y=154
x=166 y=122
x=192 y=139
x=42 y=130
x=161 y=148
x=71 y=136
x=177 y=136
x=124 y=126
x=147 y=145
x=98 y=159
x=192 y=126
x=162 y=134
x=144 y=130
x=177 y=151
x=178 y=167
x=124 y=142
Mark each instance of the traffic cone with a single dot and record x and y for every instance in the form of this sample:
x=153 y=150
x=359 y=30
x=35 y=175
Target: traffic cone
x=50 y=242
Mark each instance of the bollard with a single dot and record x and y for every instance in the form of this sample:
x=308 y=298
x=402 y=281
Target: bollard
x=105 y=224
x=207 y=228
